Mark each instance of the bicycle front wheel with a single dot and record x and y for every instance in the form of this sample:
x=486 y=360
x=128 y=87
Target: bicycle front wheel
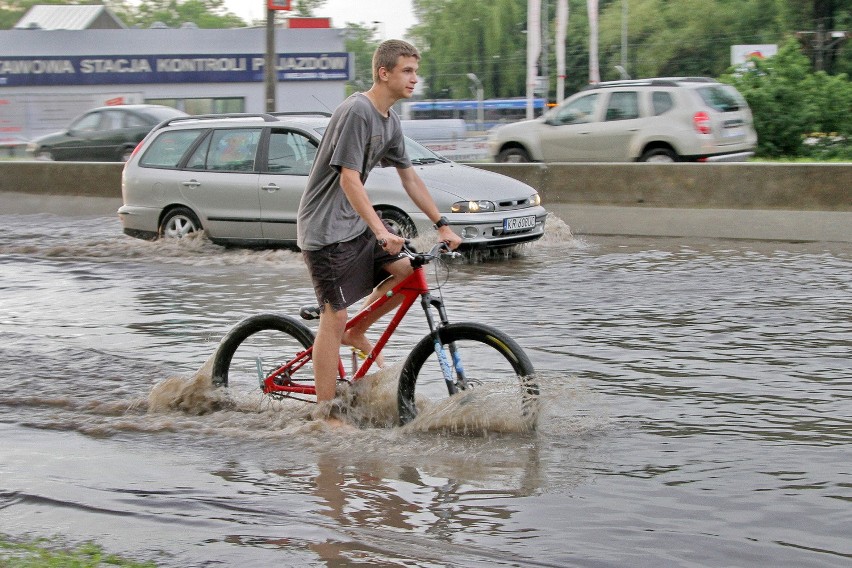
x=491 y=386
x=258 y=345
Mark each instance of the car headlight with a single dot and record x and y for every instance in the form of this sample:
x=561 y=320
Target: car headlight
x=534 y=200
x=481 y=206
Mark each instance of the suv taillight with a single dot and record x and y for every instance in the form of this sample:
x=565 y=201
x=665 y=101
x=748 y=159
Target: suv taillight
x=701 y=120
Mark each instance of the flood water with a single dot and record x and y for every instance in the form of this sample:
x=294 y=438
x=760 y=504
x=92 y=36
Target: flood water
x=696 y=410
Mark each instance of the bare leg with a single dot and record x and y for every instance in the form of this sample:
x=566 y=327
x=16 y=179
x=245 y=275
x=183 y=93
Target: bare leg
x=356 y=335
x=326 y=354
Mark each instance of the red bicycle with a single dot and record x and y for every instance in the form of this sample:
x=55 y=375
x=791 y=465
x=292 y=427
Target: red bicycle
x=451 y=358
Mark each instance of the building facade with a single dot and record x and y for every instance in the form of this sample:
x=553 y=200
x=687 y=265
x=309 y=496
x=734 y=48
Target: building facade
x=47 y=77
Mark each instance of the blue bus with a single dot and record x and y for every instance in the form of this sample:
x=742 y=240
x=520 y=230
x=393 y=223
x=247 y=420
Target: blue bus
x=495 y=111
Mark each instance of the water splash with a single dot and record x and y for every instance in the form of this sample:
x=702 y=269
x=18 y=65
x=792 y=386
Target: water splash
x=368 y=403
x=194 y=395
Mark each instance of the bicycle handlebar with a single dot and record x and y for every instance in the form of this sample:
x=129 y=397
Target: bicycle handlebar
x=425 y=257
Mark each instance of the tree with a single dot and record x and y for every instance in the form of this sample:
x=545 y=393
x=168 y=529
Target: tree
x=306 y=8
x=173 y=13
x=12 y=12
x=361 y=42
x=484 y=37
x=203 y=13
x=791 y=104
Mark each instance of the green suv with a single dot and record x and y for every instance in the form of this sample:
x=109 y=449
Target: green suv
x=647 y=120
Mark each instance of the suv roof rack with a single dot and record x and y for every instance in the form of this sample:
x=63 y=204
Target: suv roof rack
x=657 y=82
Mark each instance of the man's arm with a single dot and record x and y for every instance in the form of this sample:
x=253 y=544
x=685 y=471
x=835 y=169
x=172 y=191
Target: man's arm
x=419 y=194
x=350 y=182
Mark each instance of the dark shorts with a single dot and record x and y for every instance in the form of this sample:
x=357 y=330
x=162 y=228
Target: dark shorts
x=343 y=273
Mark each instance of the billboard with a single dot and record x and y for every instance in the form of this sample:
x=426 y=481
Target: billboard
x=741 y=54
x=153 y=69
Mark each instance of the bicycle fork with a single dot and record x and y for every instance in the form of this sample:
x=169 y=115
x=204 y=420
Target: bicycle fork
x=447 y=369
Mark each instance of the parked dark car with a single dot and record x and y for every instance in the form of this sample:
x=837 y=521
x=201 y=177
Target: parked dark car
x=105 y=134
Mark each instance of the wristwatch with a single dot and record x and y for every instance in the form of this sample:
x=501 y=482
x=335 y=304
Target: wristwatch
x=441 y=222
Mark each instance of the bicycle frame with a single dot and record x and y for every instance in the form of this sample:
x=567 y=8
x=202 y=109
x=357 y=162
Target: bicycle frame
x=412 y=287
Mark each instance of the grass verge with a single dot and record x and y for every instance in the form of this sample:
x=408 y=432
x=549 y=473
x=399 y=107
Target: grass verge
x=45 y=553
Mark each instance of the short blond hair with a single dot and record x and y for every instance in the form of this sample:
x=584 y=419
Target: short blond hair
x=389 y=52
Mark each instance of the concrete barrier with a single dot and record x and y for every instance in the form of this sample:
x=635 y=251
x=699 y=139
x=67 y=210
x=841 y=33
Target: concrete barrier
x=81 y=179
x=796 y=187
x=807 y=202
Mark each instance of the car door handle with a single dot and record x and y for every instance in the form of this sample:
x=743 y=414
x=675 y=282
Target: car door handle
x=270 y=187
x=192 y=184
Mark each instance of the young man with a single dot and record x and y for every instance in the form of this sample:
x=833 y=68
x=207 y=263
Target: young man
x=348 y=249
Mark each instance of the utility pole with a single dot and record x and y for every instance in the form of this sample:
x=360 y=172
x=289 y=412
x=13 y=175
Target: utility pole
x=270 y=67
x=822 y=44
x=624 y=35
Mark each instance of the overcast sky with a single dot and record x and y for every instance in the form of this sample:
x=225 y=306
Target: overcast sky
x=395 y=15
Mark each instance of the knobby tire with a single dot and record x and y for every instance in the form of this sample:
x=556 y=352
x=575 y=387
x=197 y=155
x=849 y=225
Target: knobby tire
x=290 y=329
x=483 y=350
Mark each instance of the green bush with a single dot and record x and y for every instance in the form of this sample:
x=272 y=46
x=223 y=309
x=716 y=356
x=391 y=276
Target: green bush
x=797 y=113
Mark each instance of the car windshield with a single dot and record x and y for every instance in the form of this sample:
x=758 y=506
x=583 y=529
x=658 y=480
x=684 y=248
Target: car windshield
x=417 y=153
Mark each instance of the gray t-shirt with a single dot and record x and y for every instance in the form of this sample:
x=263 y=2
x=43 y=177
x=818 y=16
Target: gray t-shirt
x=358 y=137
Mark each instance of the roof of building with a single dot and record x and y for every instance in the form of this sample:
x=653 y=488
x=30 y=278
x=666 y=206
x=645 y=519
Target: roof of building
x=69 y=18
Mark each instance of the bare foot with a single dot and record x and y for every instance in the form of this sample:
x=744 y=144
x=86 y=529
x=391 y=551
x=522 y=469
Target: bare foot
x=360 y=342
x=339 y=425
x=329 y=412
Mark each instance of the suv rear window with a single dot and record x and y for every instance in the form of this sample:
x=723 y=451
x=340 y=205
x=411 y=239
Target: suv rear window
x=721 y=98
x=168 y=149
x=662 y=102
x=623 y=105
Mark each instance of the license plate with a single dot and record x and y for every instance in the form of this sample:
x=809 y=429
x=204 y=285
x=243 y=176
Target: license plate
x=519 y=223
x=733 y=132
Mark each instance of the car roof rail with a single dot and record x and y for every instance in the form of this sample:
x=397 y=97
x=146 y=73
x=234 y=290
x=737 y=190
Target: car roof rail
x=267 y=117
x=301 y=113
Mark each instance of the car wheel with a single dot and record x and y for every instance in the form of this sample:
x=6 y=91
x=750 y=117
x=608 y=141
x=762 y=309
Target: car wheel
x=178 y=223
x=43 y=154
x=659 y=156
x=399 y=222
x=513 y=155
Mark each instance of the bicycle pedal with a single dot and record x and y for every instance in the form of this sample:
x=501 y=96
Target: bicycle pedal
x=310 y=312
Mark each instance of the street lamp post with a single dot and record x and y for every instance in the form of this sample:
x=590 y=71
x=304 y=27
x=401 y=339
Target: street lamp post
x=480 y=95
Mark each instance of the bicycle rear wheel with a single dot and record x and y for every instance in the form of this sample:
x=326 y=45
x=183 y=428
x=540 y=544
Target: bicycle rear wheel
x=500 y=392
x=258 y=345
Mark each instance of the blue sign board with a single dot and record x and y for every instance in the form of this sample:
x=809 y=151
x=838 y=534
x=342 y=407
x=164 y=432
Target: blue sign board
x=148 y=69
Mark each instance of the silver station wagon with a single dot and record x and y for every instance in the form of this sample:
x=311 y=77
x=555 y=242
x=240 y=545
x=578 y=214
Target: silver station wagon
x=240 y=178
